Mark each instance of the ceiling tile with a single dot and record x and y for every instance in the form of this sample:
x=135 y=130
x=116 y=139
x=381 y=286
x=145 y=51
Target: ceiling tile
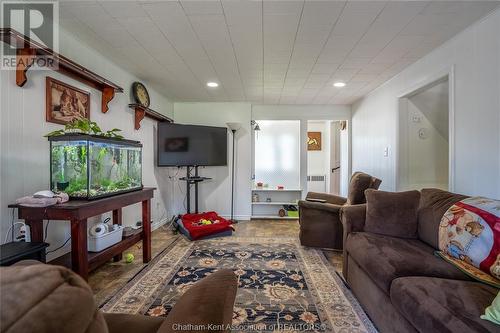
x=284 y=52
x=204 y=7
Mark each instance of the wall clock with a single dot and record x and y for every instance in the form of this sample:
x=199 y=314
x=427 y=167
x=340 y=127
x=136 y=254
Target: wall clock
x=140 y=94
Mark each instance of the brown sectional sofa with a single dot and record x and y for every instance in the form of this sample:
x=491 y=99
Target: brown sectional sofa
x=402 y=285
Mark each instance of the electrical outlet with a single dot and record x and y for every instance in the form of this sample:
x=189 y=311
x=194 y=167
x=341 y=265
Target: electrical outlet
x=24 y=233
x=386 y=151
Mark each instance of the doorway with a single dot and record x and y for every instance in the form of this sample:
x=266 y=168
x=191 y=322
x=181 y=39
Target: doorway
x=326 y=156
x=424 y=137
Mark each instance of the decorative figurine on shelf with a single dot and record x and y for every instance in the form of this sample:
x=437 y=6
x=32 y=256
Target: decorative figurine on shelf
x=281 y=187
x=268 y=199
x=260 y=184
x=255 y=197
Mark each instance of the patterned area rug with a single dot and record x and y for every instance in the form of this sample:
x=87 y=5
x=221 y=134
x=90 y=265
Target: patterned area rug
x=282 y=285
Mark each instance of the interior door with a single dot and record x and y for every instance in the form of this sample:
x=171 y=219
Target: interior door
x=335 y=157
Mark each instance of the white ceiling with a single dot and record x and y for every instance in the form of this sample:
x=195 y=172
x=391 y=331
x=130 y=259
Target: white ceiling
x=271 y=52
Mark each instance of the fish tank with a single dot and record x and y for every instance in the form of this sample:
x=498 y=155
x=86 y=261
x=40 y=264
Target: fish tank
x=90 y=166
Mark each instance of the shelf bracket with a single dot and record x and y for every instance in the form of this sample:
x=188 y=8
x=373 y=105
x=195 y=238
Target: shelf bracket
x=139 y=116
x=107 y=95
x=24 y=60
x=141 y=112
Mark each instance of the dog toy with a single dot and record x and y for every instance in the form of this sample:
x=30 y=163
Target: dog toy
x=129 y=258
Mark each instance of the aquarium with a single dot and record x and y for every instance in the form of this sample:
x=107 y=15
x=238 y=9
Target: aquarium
x=90 y=166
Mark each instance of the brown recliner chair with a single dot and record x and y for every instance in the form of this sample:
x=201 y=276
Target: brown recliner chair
x=320 y=224
x=44 y=299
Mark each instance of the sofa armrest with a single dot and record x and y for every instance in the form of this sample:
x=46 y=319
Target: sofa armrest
x=327 y=207
x=329 y=198
x=123 y=323
x=353 y=220
x=208 y=302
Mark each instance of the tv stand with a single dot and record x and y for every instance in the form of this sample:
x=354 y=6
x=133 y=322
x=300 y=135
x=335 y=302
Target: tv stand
x=192 y=180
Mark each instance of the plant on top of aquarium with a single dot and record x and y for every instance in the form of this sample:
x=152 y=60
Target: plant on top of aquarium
x=86 y=126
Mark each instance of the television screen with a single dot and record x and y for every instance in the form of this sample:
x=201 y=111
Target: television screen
x=191 y=145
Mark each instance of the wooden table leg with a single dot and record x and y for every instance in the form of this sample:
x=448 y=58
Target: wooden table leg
x=146 y=231
x=79 y=254
x=36 y=230
x=117 y=219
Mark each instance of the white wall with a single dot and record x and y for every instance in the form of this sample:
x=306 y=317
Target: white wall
x=301 y=112
x=431 y=171
x=475 y=55
x=216 y=193
x=318 y=161
x=24 y=152
x=345 y=160
x=305 y=113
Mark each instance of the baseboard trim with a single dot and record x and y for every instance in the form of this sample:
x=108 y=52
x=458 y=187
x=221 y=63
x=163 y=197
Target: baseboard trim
x=237 y=217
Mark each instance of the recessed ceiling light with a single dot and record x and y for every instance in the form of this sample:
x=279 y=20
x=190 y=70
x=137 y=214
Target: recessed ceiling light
x=339 y=84
x=212 y=84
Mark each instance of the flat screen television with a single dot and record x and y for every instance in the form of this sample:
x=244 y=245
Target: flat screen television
x=191 y=145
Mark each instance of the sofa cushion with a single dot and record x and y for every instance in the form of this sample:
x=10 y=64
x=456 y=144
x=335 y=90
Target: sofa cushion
x=386 y=258
x=359 y=183
x=392 y=213
x=442 y=305
x=433 y=204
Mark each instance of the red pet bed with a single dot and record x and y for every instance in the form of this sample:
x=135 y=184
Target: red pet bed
x=196 y=231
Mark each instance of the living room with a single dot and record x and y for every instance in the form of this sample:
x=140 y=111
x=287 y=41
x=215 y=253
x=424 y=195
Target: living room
x=250 y=166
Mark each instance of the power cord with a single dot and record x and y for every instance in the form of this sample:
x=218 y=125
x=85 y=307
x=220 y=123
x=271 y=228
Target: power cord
x=11 y=228
x=175 y=178
x=60 y=247
x=46 y=233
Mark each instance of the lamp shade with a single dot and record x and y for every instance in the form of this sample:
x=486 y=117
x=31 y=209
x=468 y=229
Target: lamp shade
x=234 y=126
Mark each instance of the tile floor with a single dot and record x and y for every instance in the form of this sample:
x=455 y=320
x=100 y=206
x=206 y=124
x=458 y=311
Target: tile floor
x=111 y=277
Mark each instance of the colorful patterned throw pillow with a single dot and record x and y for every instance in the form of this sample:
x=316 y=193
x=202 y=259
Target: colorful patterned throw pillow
x=469 y=238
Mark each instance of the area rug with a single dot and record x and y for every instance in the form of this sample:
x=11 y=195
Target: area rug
x=282 y=285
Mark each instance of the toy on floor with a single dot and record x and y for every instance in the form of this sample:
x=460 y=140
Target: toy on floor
x=129 y=258
x=206 y=222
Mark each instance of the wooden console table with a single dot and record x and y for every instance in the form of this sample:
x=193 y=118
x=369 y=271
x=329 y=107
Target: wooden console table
x=77 y=212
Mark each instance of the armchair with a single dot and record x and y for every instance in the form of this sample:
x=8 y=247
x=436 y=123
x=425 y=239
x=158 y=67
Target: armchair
x=320 y=222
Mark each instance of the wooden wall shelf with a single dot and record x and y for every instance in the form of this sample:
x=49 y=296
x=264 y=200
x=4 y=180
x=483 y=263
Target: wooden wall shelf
x=141 y=112
x=27 y=50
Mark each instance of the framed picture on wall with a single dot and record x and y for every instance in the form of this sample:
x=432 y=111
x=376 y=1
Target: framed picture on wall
x=65 y=103
x=313 y=140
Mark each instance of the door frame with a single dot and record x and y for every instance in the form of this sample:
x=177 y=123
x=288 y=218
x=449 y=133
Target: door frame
x=335 y=158
x=400 y=153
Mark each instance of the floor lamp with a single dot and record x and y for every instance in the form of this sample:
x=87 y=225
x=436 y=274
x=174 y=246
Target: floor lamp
x=233 y=127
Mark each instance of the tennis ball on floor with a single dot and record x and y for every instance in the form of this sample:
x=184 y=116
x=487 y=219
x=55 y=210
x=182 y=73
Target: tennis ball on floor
x=129 y=257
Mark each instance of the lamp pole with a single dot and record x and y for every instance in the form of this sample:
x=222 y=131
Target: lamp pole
x=233 y=127
x=232 y=180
